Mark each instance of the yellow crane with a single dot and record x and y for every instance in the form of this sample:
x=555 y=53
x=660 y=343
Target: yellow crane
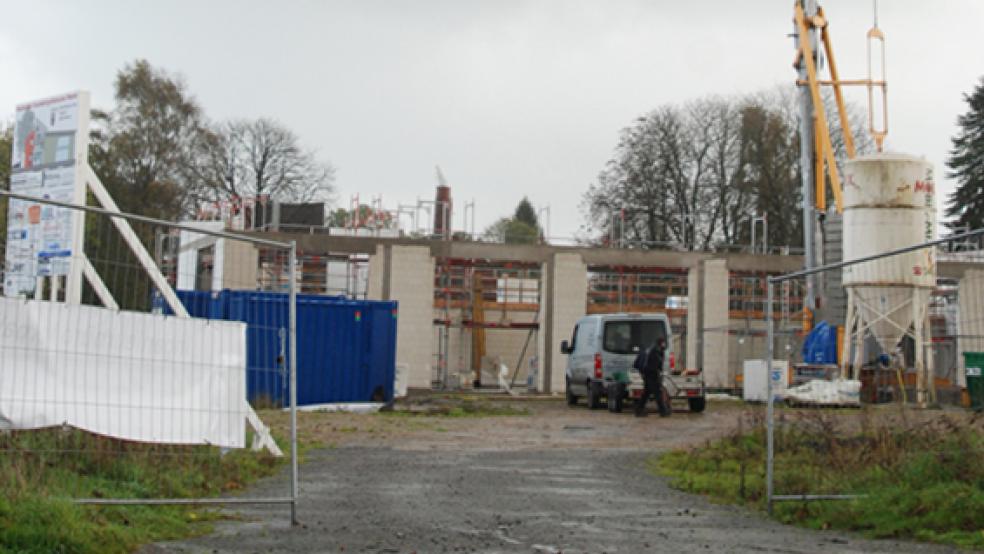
x=818 y=24
x=812 y=29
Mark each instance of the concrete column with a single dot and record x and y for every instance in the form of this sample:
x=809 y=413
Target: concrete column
x=240 y=261
x=542 y=344
x=374 y=286
x=406 y=274
x=564 y=302
x=716 y=342
x=695 y=283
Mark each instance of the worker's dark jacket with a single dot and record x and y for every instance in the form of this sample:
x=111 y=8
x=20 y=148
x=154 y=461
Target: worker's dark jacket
x=649 y=361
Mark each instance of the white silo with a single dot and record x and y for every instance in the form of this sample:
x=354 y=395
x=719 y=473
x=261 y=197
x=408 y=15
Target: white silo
x=889 y=204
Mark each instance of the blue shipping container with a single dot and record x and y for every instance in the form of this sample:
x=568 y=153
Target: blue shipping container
x=346 y=349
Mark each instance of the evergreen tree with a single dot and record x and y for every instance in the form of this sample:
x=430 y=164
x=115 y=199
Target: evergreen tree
x=525 y=213
x=521 y=228
x=966 y=164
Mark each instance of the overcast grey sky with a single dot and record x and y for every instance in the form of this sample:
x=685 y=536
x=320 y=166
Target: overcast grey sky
x=511 y=98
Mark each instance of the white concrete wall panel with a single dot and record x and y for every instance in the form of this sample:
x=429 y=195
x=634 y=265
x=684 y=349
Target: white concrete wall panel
x=568 y=300
x=411 y=283
x=693 y=320
x=241 y=261
x=376 y=274
x=718 y=370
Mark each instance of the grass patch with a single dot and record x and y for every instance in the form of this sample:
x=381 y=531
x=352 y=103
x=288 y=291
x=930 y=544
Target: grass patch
x=41 y=471
x=923 y=479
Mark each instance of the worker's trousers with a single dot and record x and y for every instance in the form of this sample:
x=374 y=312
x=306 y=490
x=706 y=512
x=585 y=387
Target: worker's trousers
x=652 y=388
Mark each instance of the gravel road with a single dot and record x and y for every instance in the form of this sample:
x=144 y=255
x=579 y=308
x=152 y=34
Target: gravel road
x=436 y=489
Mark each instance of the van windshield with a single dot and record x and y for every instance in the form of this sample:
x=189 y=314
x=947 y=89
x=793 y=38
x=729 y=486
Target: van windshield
x=629 y=337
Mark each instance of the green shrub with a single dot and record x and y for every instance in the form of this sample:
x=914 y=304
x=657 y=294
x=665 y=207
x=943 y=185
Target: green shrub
x=918 y=481
x=41 y=471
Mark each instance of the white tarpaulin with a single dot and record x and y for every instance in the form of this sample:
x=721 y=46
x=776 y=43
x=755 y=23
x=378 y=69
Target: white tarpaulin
x=839 y=392
x=129 y=375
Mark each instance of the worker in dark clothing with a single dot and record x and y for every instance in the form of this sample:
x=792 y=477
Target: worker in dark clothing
x=650 y=365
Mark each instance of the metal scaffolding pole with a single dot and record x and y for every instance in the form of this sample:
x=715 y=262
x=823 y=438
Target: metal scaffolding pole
x=770 y=401
x=807 y=153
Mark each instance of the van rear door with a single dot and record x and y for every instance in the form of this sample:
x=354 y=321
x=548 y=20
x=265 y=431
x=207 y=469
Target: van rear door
x=623 y=339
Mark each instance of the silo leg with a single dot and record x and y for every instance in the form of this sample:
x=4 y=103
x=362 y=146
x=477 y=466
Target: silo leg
x=930 y=357
x=858 y=345
x=917 y=332
x=848 y=335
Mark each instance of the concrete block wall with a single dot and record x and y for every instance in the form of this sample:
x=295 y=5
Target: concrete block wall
x=377 y=270
x=240 y=262
x=565 y=301
x=406 y=274
x=718 y=372
x=694 y=342
x=542 y=338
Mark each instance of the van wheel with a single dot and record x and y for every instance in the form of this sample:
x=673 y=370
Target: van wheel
x=697 y=404
x=571 y=397
x=594 y=396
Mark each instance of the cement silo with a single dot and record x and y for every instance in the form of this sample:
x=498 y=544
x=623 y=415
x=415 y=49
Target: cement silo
x=889 y=204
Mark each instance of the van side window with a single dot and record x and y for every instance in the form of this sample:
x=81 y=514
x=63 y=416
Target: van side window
x=573 y=344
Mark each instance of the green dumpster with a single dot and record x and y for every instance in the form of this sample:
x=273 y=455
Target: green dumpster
x=974 y=361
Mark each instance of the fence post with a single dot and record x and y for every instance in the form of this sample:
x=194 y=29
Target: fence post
x=770 y=431
x=292 y=345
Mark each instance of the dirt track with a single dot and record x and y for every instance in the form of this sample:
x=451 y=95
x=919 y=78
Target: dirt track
x=557 y=480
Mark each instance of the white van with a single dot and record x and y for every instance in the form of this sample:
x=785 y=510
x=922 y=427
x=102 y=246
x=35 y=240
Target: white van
x=600 y=357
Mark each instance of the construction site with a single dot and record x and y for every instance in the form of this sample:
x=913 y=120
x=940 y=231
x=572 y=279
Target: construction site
x=476 y=313
x=487 y=315
x=230 y=335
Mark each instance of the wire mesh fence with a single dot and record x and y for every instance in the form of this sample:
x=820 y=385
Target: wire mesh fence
x=137 y=367
x=881 y=381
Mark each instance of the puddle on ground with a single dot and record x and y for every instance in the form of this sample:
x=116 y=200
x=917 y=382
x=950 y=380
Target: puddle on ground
x=578 y=428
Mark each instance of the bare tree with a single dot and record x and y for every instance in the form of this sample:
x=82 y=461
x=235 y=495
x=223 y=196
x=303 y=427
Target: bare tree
x=631 y=186
x=695 y=175
x=667 y=182
x=772 y=120
x=251 y=158
x=771 y=151
x=735 y=197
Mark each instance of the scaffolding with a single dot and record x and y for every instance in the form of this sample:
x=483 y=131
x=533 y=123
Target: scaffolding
x=613 y=289
x=473 y=298
x=642 y=289
x=330 y=274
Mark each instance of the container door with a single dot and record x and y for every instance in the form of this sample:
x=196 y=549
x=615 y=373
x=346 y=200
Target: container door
x=380 y=344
